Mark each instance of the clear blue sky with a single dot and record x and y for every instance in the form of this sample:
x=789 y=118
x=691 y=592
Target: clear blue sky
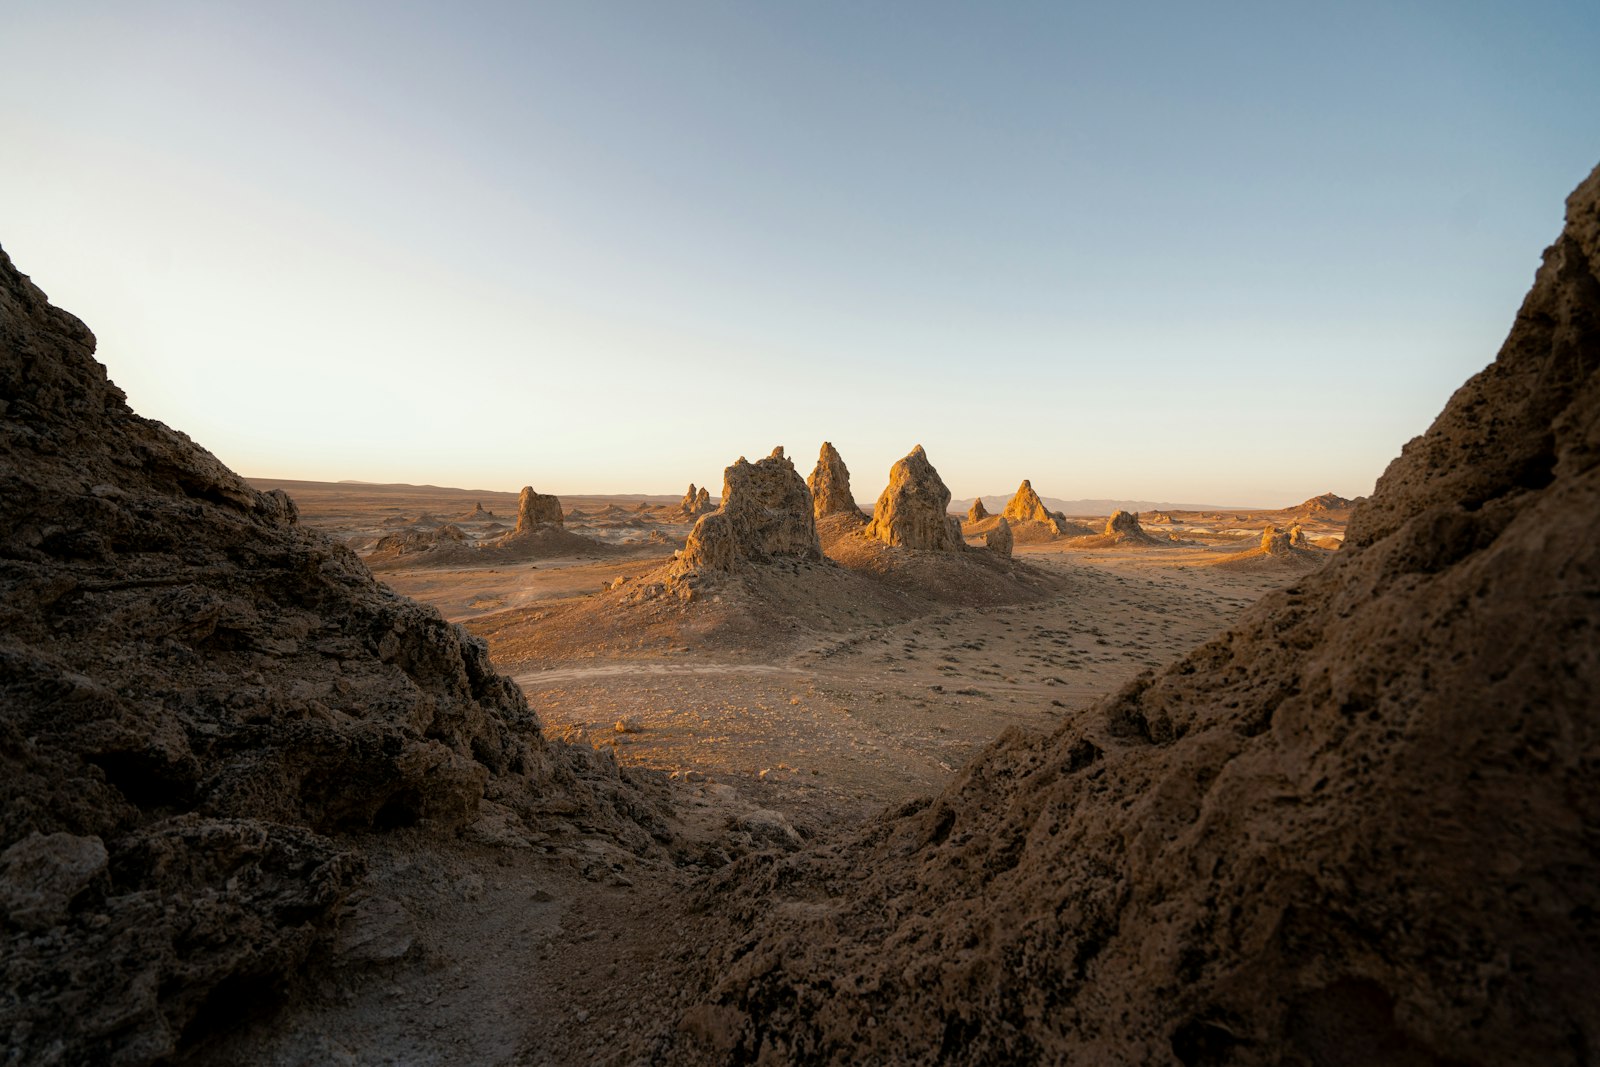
x=1234 y=253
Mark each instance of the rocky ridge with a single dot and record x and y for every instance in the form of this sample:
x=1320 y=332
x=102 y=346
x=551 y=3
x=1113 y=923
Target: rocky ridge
x=1353 y=829
x=204 y=706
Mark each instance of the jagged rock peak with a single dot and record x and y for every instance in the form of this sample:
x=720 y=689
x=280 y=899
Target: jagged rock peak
x=977 y=512
x=1025 y=505
x=999 y=540
x=766 y=513
x=830 y=484
x=537 y=509
x=911 y=512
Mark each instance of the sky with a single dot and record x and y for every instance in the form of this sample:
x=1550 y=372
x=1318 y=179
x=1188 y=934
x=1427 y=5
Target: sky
x=1230 y=253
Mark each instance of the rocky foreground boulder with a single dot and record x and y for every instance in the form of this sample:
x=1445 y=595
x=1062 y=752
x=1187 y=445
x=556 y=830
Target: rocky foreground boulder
x=766 y=513
x=999 y=540
x=911 y=512
x=1358 y=828
x=830 y=485
x=202 y=706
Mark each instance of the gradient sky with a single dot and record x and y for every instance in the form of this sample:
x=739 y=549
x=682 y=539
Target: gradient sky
x=1227 y=253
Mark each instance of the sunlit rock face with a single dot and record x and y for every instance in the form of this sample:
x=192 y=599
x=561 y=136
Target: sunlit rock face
x=1355 y=828
x=1124 y=524
x=1275 y=542
x=910 y=513
x=695 y=502
x=830 y=485
x=977 y=512
x=537 y=509
x=766 y=513
x=1025 y=505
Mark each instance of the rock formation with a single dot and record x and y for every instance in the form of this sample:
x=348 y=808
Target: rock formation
x=1275 y=542
x=1025 y=505
x=695 y=502
x=766 y=513
x=537 y=509
x=977 y=512
x=998 y=540
x=1356 y=828
x=1325 y=502
x=830 y=485
x=1124 y=524
x=911 y=511
x=197 y=693
x=1297 y=537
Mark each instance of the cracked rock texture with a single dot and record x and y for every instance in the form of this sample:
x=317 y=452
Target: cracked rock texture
x=1357 y=828
x=766 y=513
x=911 y=510
x=830 y=485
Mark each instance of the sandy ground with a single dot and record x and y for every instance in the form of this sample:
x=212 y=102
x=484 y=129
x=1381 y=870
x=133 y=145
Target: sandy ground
x=563 y=948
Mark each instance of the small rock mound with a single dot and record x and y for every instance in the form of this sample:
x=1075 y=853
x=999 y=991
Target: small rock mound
x=1124 y=524
x=766 y=513
x=830 y=485
x=537 y=509
x=911 y=512
x=999 y=540
x=1325 y=502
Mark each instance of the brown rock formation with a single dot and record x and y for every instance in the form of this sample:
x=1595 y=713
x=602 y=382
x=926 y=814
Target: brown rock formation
x=999 y=540
x=1357 y=828
x=695 y=502
x=1275 y=542
x=197 y=691
x=830 y=485
x=537 y=509
x=1297 y=537
x=1025 y=505
x=1124 y=524
x=766 y=513
x=977 y=512
x=1325 y=502
x=911 y=511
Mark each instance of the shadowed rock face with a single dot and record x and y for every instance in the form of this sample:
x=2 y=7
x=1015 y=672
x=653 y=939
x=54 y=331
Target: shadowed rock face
x=766 y=513
x=1356 y=828
x=537 y=509
x=911 y=511
x=830 y=485
x=1025 y=505
x=194 y=690
x=999 y=540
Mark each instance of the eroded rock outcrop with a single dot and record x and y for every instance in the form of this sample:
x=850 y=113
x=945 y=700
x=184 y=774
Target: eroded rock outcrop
x=1353 y=829
x=977 y=512
x=695 y=502
x=766 y=513
x=1275 y=542
x=830 y=485
x=1025 y=505
x=198 y=696
x=999 y=540
x=537 y=509
x=911 y=512
x=1124 y=524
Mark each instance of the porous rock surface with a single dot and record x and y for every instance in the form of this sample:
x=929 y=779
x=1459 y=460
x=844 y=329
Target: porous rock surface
x=195 y=693
x=537 y=509
x=1359 y=827
x=766 y=513
x=910 y=512
x=829 y=483
x=999 y=540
